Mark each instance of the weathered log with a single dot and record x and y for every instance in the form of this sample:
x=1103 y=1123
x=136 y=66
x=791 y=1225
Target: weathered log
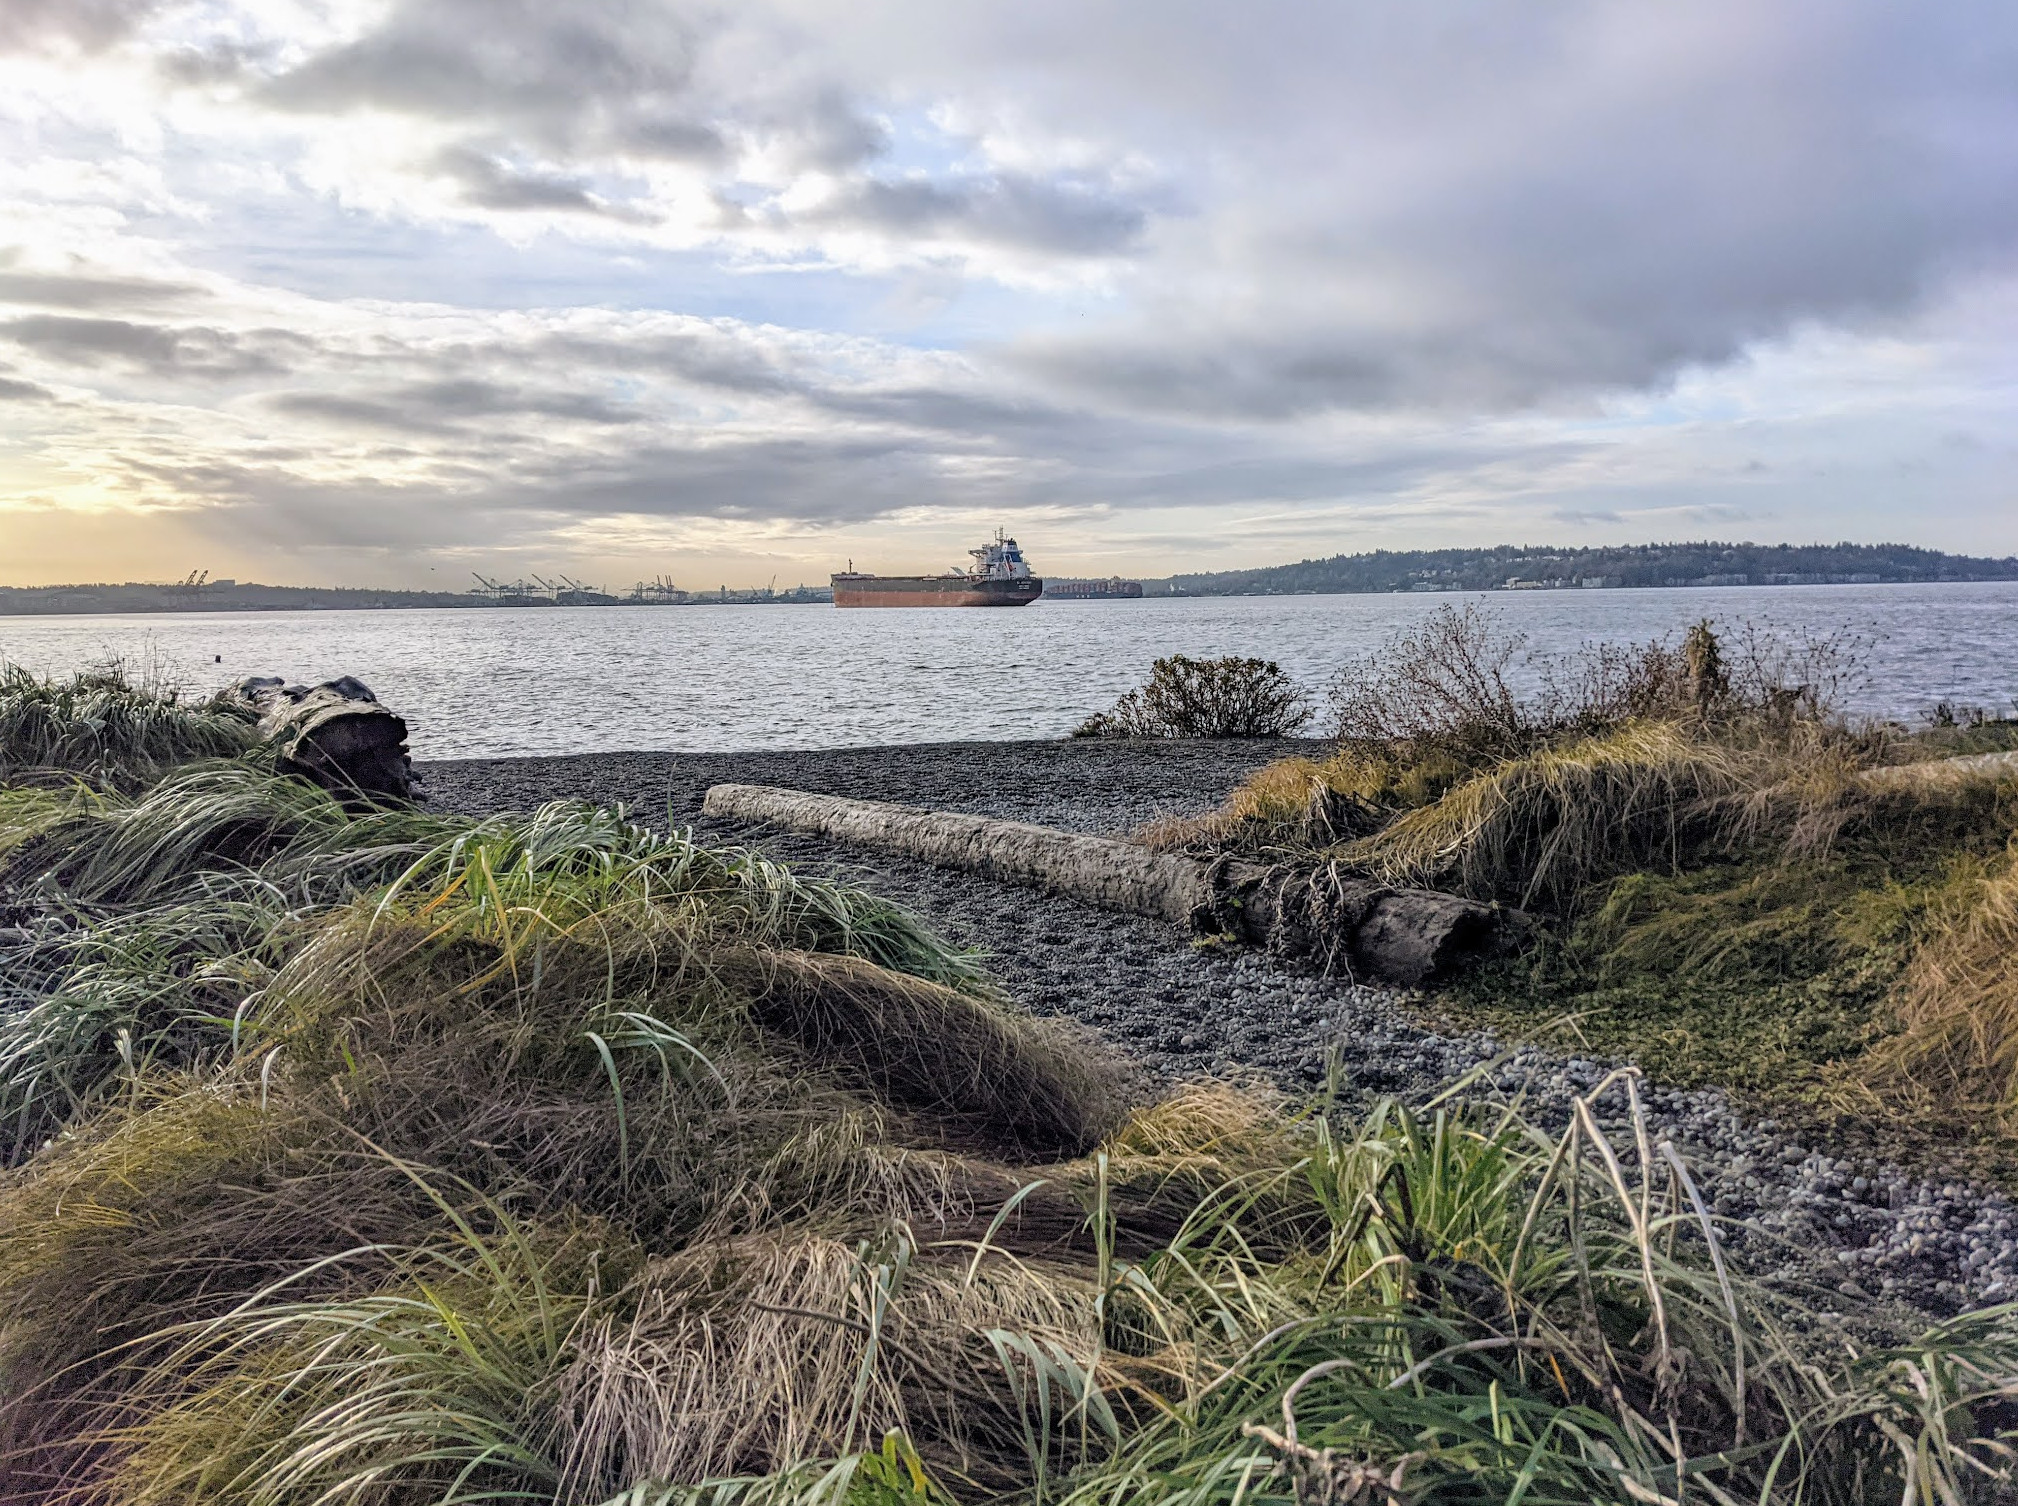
x=336 y=734
x=1111 y=875
x=1938 y=772
x=1405 y=936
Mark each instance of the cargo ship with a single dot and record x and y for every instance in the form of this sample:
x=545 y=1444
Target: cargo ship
x=999 y=577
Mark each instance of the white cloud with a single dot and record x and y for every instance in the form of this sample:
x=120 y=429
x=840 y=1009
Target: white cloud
x=1330 y=275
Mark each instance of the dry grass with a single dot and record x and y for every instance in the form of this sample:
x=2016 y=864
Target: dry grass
x=563 y=1018
x=1026 y=1086
x=1956 y=1053
x=1544 y=825
x=1301 y=805
x=748 y=1356
x=1735 y=885
x=1366 y=1297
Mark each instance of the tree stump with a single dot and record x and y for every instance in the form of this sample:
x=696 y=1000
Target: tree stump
x=335 y=734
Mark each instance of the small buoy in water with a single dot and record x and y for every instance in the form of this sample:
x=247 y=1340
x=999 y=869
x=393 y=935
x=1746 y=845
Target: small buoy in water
x=219 y=658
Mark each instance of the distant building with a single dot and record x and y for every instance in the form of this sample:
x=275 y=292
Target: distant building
x=1602 y=582
x=1114 y=588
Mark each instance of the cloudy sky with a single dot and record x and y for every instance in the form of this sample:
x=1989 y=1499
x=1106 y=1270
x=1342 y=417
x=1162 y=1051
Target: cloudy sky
x=383 y=291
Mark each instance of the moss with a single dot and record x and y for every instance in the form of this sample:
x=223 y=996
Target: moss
x=1769 y=977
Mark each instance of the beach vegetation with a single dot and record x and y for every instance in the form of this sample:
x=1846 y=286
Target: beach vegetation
x=111 y=725
x=1733 y=881
x=388 y=1156
x=1219 y=698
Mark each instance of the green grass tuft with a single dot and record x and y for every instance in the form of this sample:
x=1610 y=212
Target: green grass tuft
x=108 y=728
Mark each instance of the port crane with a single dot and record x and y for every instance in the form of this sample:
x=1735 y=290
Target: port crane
x=498 y=590
x=659 y=590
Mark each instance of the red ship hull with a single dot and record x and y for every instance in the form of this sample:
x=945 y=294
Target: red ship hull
x=933 y=591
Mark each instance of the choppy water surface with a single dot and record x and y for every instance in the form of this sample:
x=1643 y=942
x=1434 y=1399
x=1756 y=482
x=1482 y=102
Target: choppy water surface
x=591 y=679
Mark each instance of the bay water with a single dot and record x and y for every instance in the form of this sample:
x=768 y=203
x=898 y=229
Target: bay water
x=486 y=682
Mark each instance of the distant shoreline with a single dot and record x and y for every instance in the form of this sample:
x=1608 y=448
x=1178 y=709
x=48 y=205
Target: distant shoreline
x=65 y=601
x=1502 y=567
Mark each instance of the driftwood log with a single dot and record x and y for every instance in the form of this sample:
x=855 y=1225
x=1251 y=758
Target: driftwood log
x=1405 y=936
x=1968 y=768
x=336 y=734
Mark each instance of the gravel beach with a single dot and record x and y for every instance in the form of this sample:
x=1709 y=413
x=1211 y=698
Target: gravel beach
x=1861 y=1228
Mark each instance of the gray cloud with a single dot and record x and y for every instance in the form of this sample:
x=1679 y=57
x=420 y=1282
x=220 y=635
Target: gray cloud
x=827 y=131
x=730 y=362
x=1317 y=258
x=1413 y=210
x=712 y=357
x=562 y=77
x=465 y=58
x=92 y=25
x=1012 y=209
x=825 y=480
x=162 y=350
x=12 y=391
x=490 y=183
x=214 y=62
x=90 y=290
x=592 y=77
x=432 y=407
x=669 y=137
x=1431 y=212
x=602 y=81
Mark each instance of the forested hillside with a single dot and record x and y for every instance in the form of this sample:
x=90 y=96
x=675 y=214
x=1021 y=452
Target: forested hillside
x=1510 y=565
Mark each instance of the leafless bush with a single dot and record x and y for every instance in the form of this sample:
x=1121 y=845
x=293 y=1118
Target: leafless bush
x=1603 y=684
x=1794 y=671
x=1443 y=682
x=1449 y=683
x=1186 y=697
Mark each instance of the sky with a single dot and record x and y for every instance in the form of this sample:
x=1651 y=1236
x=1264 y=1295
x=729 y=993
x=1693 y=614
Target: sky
x=385 y=292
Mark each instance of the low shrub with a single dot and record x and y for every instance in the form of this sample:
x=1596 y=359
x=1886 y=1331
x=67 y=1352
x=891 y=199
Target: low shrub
x=1185 y=697
x=1465 y=685
x=1446 y=682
